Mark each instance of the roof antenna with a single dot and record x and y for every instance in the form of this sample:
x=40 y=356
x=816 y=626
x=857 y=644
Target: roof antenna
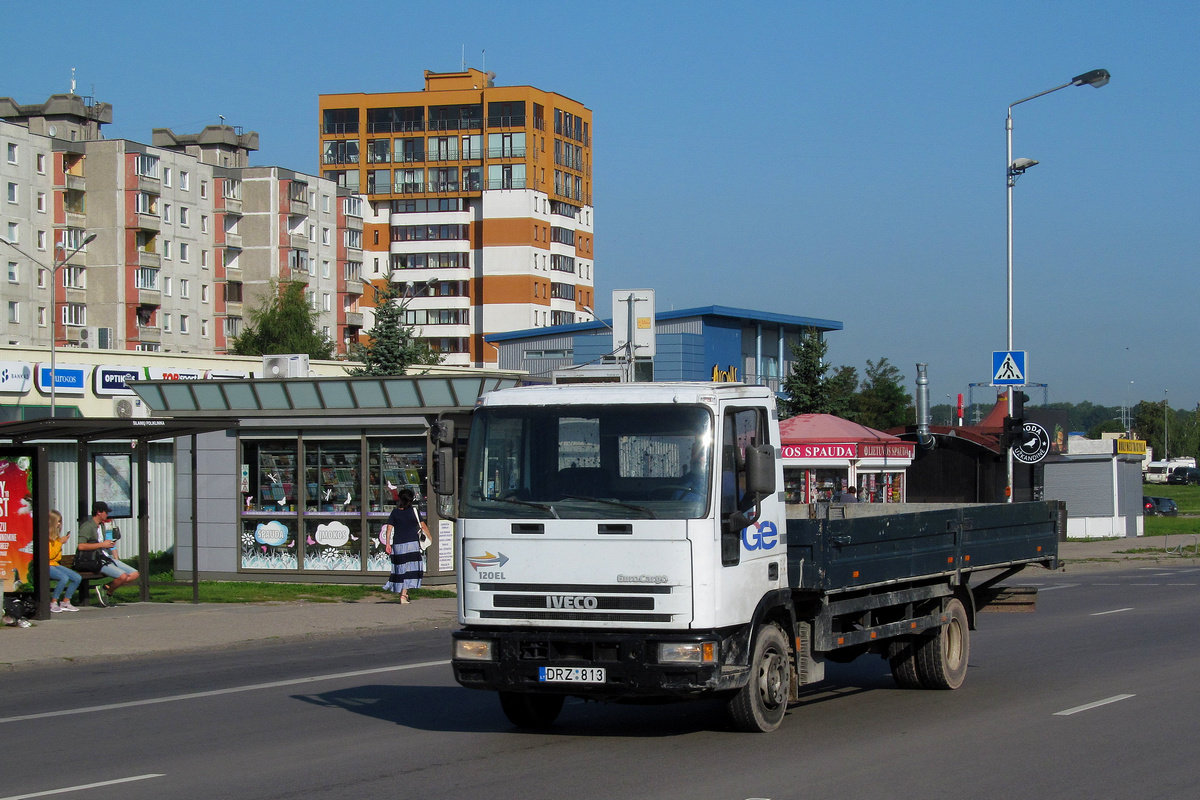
x=72 y=80
x=464 y=59
x=222 y=118
x=483 y=66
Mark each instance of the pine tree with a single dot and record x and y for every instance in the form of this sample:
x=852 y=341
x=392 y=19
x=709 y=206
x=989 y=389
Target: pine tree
x=392 y=347
x=283 y=324
x=809 y=388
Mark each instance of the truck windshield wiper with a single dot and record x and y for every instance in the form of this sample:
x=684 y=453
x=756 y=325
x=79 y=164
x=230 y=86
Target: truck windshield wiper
x=650 y=514
x=515 y=501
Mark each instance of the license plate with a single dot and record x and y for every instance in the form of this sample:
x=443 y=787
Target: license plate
x=571 y=674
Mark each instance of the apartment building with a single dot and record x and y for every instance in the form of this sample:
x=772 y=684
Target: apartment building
x=479 y=197
x=188 y=236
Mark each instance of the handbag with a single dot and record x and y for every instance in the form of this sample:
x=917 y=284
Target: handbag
x=89 y=560
x=423 y=538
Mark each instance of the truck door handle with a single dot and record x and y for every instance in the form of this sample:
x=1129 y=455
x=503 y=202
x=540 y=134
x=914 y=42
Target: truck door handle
x=840 y=540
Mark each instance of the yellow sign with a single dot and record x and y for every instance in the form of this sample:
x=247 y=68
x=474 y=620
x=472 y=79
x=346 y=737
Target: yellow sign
x=1131 y=446
x=724 y=375
x=644 y=323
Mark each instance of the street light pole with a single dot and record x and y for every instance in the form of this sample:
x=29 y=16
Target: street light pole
x=57 y=264
x=1013 y=170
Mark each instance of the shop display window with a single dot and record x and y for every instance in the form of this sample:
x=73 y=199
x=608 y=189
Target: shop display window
x=269 y=477
x=333 y=477
x=394 y=465
x=268 y=544
x=333 y=544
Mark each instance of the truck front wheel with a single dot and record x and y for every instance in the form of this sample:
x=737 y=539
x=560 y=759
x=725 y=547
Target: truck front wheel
x=759 y=706
x=942 y=658
x=527 y=710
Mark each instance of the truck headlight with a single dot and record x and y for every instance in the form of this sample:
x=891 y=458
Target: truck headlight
x=687 y=652
x=474 y=650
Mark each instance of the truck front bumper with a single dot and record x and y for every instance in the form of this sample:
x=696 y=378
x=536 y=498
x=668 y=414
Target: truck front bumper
x=630 y=661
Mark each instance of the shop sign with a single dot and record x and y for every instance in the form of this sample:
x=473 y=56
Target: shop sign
x=16 y=522
x=221 y=374
x=1133 y=447
x=888 y=449
x=68 y=378
x=15 y=376
x=156 y=374
x=728 y=375
x=110 y=381
x=820 y=451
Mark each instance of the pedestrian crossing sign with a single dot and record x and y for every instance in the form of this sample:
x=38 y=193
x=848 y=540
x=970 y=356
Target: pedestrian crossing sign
x=1008 y=367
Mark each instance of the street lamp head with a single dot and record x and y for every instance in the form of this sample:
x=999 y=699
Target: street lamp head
x=1097 y=78
x=1019 y=165
x=89 y=238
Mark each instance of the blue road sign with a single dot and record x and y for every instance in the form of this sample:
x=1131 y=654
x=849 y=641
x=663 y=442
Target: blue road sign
x=1008 y=367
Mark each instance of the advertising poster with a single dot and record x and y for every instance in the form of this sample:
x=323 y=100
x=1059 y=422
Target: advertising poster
x=16 y=522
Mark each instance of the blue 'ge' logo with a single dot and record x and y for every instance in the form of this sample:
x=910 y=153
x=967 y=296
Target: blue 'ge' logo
x=762 y=536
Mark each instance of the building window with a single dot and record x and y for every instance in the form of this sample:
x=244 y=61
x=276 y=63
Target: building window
x=147 y=348
x=183 y=323
x=183 y=287
x=147 y=166
x=326 y=302
x=43 y=276
x=233 y=327
x=74 y=314
x=12 y=153
x=562 y=263
x=41 y=316
x=166 y=323
x=14 y=233
x=146 y=278
x=325 y=236
x=146 y=203
x=233 y=292
x=352 y=206
x=41 y=241
x=183 y=251
x=203 y=259
x=183 y=216
x=231 y=189
x=204 y=329
x=204 y=189
x=324 y=269
x=166 y=217
x=12 y=192
x=204 y=293
x=562 y=291
x=354 y=239
x=14 y=274
x=166 y=285
x=41 y=163
x=74 y=277
x=204 y=223
x=14 y=311
x=166 y=176
x=183 y=181
x=166 y=253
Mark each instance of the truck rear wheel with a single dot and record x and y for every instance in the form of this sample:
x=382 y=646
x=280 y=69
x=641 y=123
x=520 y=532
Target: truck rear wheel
x=527 y=710
x=902 y=658
x=759 y=706
x=942 y=658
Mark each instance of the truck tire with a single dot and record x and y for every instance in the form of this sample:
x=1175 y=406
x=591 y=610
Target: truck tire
x=528 y=710
x=902 y=658
x=942 y=657
x=759 y=706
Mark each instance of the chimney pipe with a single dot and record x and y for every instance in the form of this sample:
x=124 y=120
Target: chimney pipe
x=924 y=438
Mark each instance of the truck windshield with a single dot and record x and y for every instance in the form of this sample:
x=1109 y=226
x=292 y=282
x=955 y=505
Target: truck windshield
x=589 y=462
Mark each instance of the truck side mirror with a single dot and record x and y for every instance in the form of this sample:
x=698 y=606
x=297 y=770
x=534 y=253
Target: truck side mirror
x=444 y=480
x=442 y=431
x=760 y=471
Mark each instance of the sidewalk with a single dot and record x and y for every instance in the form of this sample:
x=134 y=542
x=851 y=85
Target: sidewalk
x=136 y=629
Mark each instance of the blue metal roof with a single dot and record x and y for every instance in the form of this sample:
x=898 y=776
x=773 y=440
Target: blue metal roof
x=742 y=314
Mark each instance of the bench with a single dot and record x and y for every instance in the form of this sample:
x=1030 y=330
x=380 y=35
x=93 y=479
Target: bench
x=85 y=585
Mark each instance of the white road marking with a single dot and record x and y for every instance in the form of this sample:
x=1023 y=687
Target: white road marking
x=1181 y=584
x=1114 y=699
x=216 y=692
x=1143 y=584
x=81 y=787
x=1059 y=586
x=1114 y=611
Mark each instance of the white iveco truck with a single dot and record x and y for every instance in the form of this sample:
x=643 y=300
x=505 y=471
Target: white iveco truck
x=629 y=541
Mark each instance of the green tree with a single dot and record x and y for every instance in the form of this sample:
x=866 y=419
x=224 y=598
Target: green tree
x=1107 y=426
x=392 y=347
x=882 y=401
x=809 y=388
x=283 y=324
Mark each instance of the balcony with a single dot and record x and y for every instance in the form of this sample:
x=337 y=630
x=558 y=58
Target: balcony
x=298 y=208
x=507 y=183
x=233 y=240
x=149 y=222
x=76 y=182
x=340 y=158
x=354 y=223
x=233 y=309
x=298 y=241
x=402 y=126
x=233 y=205
x=144 y=183
x=354 y=287
x=354 y=318
x=514 y=121
x=149 y=333
x=506 y=152
x=340 y=129
x=149 y=297
x=147 y=258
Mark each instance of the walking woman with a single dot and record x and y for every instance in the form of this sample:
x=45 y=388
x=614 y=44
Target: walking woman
x=403 y=530
x=67 y=580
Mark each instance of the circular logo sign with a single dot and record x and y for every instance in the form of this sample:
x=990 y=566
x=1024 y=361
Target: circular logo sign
x=1033 y=445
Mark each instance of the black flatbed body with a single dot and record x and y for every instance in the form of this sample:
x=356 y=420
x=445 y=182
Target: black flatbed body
x=880 y=546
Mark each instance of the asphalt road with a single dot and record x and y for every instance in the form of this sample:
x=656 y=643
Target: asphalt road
x=1093 y=696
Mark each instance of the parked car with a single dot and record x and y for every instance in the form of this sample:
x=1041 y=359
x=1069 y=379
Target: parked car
x=1181 y=476
x=1159 y=506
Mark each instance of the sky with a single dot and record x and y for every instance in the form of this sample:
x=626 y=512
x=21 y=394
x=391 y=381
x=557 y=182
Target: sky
x=837 y=160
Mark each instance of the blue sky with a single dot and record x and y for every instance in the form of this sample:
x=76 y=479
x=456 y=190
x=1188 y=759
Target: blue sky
x=842 y=160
